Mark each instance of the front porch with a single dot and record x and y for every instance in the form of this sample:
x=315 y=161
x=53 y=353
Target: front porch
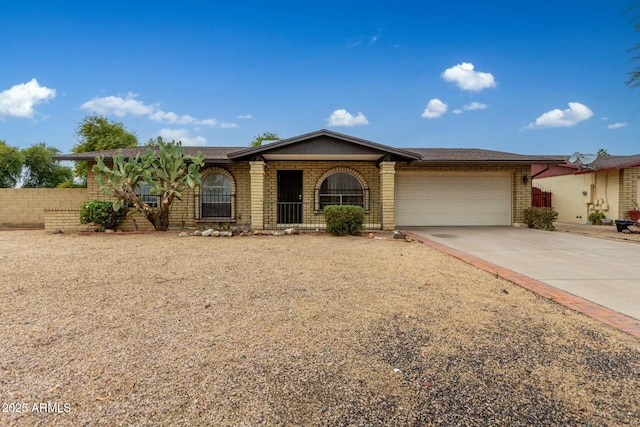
x=305 y=216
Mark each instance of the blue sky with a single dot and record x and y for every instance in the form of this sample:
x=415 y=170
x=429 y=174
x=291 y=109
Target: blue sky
x=533 y=78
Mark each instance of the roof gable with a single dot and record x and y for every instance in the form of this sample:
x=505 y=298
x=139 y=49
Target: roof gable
x=324 y=145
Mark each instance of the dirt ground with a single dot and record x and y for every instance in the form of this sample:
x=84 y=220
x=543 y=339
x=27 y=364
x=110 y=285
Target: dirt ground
x=302 y=330
x=601 y=231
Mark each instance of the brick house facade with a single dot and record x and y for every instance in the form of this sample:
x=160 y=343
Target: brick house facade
x=287 y=183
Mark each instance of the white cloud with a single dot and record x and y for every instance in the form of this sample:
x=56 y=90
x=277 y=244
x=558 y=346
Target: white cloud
x=475 y=106
x=470 y=107
x=617 y=125
x=376 y=37
x=120 y=107
x=182 y=135
x=573 y=115
x=344 y=118
x=435 y=108
x=225 y=125
x=245 y=116
x=19 y=100
x=173 y=119
x=467 y=79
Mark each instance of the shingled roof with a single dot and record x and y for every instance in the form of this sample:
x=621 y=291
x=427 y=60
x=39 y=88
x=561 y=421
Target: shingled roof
x=476 y=155
x=419 y=155
x=213 y=154
x=603 y=163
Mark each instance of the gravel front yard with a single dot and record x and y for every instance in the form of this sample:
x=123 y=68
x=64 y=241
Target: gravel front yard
x=153 y=329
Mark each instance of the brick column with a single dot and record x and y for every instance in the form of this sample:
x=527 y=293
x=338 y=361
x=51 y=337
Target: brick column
x=257 y=194
x=387 y=194
x=521 y=195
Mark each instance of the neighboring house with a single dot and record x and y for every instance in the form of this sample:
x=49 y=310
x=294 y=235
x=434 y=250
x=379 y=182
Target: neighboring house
x=287 y=184
x=610 y=185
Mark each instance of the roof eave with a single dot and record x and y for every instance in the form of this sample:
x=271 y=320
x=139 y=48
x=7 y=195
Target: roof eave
x=485 y=161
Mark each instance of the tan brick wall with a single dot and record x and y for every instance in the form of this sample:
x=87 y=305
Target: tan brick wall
x=25 y=207
x=186 y=212
x=521 y=192
x=628 y=190
x=257 y=194
x=387 y=194
x=63 y=219
x=312 y=172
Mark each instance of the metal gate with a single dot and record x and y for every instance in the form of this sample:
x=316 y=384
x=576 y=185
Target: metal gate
x=540 y=198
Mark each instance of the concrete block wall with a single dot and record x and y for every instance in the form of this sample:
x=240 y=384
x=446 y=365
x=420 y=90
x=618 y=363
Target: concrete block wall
x=63 y=219
x=25 y=207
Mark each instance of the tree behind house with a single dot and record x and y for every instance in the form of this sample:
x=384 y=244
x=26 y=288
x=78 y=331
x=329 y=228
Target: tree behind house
x=265 y=136
x=96 y=133
x=166 y=168
x=40 y=170
x=11 y=161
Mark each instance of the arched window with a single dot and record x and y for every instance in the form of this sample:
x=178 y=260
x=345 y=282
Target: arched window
x=341 y=188
x=144 y=194
x=215 y=196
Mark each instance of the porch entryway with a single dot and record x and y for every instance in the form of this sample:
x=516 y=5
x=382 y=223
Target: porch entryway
x=289 y=197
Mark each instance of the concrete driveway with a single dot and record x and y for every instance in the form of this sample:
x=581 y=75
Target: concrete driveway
x=602 y=271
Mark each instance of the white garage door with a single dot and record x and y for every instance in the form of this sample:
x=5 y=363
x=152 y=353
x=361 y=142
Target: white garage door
x=453 y=199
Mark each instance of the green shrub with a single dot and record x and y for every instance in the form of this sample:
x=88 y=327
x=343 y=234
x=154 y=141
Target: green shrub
x=101 y=213
x=71 y=184
x=596 y=217
x=540 y=218
x=343 y=220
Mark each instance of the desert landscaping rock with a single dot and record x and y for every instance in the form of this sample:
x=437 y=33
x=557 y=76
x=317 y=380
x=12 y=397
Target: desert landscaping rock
x=208 y=232
x=183 y=234
x=307 y=330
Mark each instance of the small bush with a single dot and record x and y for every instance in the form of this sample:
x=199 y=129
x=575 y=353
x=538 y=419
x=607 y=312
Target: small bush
x=540 y=218
x=596 y=217
x=101 y=213
x=344 y=220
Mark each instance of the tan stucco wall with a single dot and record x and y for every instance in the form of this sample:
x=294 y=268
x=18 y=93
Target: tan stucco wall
x=574 y=197
x=521 y=191
x=25 y=207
